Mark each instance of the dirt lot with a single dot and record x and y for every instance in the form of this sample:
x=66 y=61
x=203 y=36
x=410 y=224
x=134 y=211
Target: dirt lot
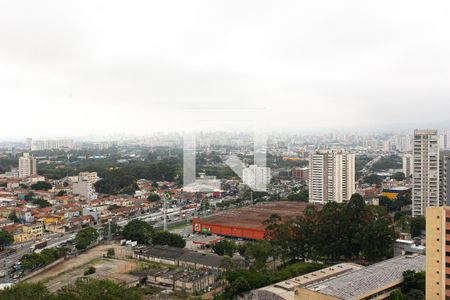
x=103 y=266
x=73 y=263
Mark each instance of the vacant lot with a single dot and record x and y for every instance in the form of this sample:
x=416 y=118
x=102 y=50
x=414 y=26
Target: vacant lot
x=103 y=267
x=73 y=263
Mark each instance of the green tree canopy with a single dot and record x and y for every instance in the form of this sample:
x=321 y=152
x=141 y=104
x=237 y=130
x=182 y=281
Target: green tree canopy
x=169 y=239
x=85 y=237
x=42 y=186
x=139 y=231
x=225 y=247
x=6 y=239
x=153 y=198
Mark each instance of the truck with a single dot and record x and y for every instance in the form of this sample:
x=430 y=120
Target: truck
x=38 y=245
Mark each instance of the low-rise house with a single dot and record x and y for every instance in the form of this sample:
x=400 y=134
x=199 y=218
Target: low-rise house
x=34 y=231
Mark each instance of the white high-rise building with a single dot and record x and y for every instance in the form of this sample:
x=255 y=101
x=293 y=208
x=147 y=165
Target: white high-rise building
x=27 y=166
x=331 y=176
x=257 y=178
x=408 y=165
x=425 y=190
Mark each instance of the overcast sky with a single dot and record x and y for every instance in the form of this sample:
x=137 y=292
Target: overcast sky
x=97 y=67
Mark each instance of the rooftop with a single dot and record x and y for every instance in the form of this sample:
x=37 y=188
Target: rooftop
x=362 y=282
x=285 y=289
x=253 y=216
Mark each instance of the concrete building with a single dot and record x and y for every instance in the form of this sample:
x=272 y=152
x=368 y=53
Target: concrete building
x=438 y=253
x=180 y=257
x=376 y=281
x=300 y=174
x=90 y=177
x=426 y=171
x=444 y=176
x=27 y=166
x=408 y=165
x=191 y=281
x=85 y=185
x=256 y=177
x=406 y=247
x=285 y=290
x=331 y=176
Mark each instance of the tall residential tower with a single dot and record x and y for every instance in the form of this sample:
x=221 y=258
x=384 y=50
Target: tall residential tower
x=27 y=165
x=425 y=190
x=331 y=176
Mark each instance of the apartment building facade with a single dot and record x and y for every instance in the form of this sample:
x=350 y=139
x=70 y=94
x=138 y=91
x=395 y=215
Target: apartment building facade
x=331 y=176
x=425 y=192
x=27 y=166
x=437 y=253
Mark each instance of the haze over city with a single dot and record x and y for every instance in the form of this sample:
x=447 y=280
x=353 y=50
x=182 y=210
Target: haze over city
x=224 y=150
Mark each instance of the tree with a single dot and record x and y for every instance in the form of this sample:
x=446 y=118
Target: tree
x=413 y=280
x=89 y=271
x=399 y=176
x=62 y=192
x=224 y=247
x=85 y=237
x=6 y=239
x=239 y=286
x=415 y=295
x=260 y=251
x=153 y=198
x=139 y=231
x=117 y=181
x=354 y=212
x=417 y=225
x=41 y=203
x=397 y=295
x=302 y=196
x=242 y=280
x=332 y=227
x=373 y=179
x=13 y=217
x=305 y=230
x=25 y=291
x=42 y=186
x=47 y=256
x=169 y=239
x=110 y=252
x=378 y=234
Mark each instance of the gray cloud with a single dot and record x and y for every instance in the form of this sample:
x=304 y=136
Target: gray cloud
x=98 y=67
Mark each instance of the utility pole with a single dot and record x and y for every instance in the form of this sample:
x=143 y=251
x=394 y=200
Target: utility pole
x=109 y=230
x=166 y=197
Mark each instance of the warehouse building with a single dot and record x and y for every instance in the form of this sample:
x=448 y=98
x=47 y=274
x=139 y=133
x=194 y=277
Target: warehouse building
x=377 y=281
x=247 y=222
x=285 y=290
